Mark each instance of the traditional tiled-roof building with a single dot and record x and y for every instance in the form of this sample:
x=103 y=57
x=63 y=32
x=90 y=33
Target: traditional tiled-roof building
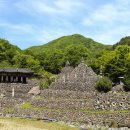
x=14 y=75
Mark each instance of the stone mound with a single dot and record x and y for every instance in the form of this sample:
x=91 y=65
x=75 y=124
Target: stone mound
x=81 y=78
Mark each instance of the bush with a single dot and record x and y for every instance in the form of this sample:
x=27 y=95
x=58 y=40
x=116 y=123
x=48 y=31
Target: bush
x=46 y=80
x=104 y=84
x=44 y=83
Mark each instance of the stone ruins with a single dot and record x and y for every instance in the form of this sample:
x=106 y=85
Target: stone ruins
x=71 y=98
x=81 y=78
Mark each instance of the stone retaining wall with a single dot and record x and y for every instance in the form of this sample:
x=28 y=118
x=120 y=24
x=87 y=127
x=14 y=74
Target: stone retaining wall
x=81 y=117
x=72 y=108
x=67 y=94
x=63 y=104
x=113 y=101
x=10 y=102
x=20 y=90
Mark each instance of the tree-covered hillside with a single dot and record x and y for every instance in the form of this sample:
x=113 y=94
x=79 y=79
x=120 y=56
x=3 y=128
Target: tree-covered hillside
x=66 y=41
x=51 y=57
x=7 y=53
x=123 y=41
x=12 y=56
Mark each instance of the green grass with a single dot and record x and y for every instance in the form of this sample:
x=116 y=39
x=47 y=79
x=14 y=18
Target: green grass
x=26 y=105
x=29 y=106
x=65 y=99
x=31 y=124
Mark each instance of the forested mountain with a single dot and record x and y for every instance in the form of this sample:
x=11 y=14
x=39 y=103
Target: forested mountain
x=123 y=41
x=63 y=42
x=51 y=57
x=7 y=53
x=12 y=56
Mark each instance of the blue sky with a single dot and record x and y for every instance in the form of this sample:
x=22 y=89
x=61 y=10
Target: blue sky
x=33 y=22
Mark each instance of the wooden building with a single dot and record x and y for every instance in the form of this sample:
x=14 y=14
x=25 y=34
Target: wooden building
x=14 y=75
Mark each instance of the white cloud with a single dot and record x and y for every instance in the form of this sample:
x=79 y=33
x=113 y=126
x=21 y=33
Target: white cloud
x=64 y=7
x=111 y=13
x=110 y=21
x=112 y=35
x=17 y=28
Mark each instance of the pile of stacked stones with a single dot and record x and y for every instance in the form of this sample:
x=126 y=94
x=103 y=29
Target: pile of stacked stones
x=81 y=78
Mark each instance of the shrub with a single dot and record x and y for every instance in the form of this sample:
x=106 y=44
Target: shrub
x=104 y=84
x=46 y=81
x=43 y=83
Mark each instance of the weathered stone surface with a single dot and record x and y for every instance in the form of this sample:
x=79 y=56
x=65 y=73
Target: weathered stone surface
x=67 y=94
x=119 y=87
x=20 y=90
x=71 y=98
x=81 y=78
x=113 y=101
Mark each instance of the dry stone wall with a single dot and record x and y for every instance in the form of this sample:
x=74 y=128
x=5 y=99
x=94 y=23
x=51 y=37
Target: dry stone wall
x=113 y=101
x=81 y=78
x=20 y=90
x=67 y=94
x=68 y=116
x=71 y=109
x=10 y=102
x=63 y=104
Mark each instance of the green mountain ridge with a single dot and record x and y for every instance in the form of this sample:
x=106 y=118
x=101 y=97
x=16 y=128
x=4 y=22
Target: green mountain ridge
x=50 y=58
x=123 y=41
x=65 y=41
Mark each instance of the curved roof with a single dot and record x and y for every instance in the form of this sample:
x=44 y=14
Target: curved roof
x=16 y=70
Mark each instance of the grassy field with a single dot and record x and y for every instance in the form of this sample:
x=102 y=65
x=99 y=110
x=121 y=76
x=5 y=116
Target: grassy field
x=30 y=124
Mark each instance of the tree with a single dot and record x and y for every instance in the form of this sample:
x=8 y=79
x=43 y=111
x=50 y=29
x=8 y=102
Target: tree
x=74 y=54
x=27 y=61
x=117 y=66
x=52 y=61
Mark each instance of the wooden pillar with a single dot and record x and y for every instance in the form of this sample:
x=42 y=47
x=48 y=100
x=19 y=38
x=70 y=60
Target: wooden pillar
x=21 y=79
x=6 y=78
x=1 y=78
x=12 y=78
x=16 y=78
